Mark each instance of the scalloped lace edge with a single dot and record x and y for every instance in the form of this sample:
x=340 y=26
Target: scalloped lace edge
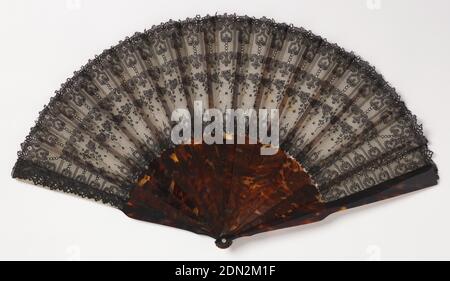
x=68 y=185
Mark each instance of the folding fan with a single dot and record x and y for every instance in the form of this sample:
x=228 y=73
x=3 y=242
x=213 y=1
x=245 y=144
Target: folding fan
x=345 y=137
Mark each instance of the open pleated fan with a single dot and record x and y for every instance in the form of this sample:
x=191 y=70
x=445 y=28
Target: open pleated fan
x=345 y=137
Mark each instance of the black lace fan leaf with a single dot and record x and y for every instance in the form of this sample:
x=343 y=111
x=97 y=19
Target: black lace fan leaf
x=346 y=138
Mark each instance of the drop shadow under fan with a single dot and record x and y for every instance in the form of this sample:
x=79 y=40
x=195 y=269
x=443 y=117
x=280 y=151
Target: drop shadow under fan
x=346 y=138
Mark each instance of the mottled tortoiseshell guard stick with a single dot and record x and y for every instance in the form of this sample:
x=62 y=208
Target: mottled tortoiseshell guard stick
x=230 y=191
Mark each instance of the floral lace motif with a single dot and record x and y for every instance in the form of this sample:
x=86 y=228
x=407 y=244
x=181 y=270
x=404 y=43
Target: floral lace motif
x=339 y=118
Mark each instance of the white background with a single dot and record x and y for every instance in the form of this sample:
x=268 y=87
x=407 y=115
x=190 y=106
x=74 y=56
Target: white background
x=43 y=42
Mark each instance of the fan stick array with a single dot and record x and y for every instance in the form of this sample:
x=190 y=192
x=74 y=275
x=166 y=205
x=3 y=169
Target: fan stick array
x=342 y=127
